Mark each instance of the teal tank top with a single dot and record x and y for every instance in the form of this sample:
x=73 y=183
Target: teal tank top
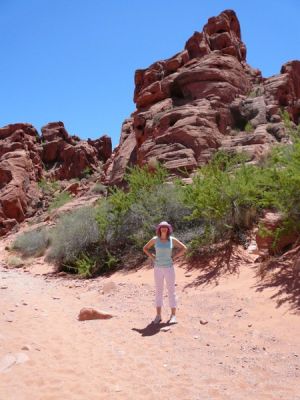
x=163 y=252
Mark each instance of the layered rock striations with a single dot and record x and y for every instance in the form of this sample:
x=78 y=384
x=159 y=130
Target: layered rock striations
x=26 y=157
x=203 y=99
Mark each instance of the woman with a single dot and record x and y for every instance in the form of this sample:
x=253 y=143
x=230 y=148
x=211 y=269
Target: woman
x=163 y=267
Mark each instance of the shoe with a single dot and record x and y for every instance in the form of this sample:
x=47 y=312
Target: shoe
x=173 y=319
x=157 y=319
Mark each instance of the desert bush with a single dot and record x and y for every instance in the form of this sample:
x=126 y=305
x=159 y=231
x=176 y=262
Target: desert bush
x=32 y=243
x=113 y=213
x=124 y=222
x=220 y=195
x=72 y=235
x=228 y=198
x=98 y=188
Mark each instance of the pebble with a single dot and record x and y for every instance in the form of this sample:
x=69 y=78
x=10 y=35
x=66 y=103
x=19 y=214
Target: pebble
x=203 y=322
x=165 y=329
x=4 y=287
x=196 y=337
x=26 y=347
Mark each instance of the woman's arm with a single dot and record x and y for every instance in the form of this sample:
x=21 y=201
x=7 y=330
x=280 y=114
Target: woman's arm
x=147 y=247
x=182 y=247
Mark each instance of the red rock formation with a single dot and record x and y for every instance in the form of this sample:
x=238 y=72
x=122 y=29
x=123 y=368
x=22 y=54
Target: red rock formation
x=201 y=100
x=265 y=237
x=66 y=157
x=20 y=168
x=23 y=154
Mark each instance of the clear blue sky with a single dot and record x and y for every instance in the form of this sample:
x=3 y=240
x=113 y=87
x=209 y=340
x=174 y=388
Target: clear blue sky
x=74 y=60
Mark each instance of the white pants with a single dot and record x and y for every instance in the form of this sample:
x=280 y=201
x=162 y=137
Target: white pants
x=167 y=273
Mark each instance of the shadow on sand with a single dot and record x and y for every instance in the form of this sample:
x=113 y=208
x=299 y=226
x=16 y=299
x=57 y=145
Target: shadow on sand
x=284 y=279
x=222 y=260
x=152 y=329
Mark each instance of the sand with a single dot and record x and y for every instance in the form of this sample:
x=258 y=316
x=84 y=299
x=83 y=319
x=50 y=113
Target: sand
x=232 y=341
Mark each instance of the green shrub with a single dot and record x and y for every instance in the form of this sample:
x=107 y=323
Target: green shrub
x=72 y=235
x=124 y=223
x=85 y=265
x=61 y=199
x=32 y=243
x=249 y=127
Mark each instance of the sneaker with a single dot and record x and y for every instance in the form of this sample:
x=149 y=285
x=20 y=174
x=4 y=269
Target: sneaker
x=157 y=319
x=173 y=319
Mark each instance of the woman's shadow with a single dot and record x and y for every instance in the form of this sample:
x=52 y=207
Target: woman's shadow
x=152 y=328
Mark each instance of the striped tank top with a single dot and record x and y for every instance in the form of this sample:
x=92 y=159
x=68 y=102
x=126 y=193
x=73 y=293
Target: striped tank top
x=163 y=252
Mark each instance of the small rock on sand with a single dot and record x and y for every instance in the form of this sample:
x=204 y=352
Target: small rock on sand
x=203 y=322
x=88 y=313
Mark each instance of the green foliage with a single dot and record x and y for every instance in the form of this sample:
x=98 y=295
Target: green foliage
x=129 y=218
x=88 y=171
x=32 y=243
x=85 y=265
x=112 y=213
x=225 y=197
x=59 y=200
x=48 y=187
x=111 y=261
x=285 y=117
x=144 y=179
x=73 y=235
x=249 y=127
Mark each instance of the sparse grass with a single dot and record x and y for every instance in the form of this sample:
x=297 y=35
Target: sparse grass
x=59 y=200
x=48 y=187
x=15 y=262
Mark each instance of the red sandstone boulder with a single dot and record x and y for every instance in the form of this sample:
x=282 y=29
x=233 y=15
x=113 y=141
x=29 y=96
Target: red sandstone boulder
x=89 y=313
x=265 y=237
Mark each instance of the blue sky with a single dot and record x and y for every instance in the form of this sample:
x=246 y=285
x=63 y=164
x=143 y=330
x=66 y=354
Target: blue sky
x=74 y=60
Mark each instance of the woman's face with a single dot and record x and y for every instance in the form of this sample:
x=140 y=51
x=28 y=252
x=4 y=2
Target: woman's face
x=164 y=230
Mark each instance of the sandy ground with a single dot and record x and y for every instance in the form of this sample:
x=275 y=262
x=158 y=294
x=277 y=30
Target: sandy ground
x=248 y=349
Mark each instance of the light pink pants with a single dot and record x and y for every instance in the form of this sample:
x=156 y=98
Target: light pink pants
x=167 y=273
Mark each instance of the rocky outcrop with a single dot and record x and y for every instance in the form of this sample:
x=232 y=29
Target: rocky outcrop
x=203 y=99
x=25 y=158
x=20 y=168
x=67 y=157
x=268 y=241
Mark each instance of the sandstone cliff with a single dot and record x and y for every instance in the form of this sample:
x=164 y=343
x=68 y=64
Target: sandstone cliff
x=203 y=99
